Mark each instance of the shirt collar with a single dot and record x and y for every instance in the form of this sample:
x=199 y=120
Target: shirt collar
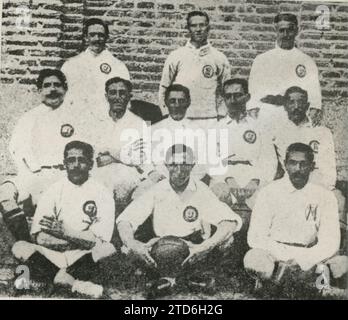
x=91 y=54
x=202 y=50
x=288 y=186
x=192 y=186
x=242 y=118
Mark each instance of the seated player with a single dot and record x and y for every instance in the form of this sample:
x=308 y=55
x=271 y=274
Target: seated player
x=294 y=225
x=248 y=158
x=175 y=128
x=120 y=144
x=182 y=207
x=299 y=128
x=72 y=227
x=35 y=155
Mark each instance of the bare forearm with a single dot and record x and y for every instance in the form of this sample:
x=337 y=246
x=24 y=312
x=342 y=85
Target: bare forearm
x=51 y=242
x=126 y=233
x=224 y=230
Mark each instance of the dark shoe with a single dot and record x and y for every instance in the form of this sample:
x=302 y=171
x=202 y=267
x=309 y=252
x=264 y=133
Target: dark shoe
x=202 y=283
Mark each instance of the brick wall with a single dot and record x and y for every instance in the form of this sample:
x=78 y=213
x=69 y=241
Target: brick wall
x=142 y=33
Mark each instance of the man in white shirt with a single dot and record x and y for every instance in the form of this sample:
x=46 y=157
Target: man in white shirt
x=248 y=158
x=175 y=128
x=120 y=142
x=299 y=128
x=199 y=67
x=73 y=225
x=294 y=223
x=178 y=206
x=87 y=72
x=284 y=66
x=38 y=165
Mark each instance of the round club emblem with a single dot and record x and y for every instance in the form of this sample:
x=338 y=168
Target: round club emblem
x=66 y=130
x=190 y=214
x=90 y=208
x=105 y=68
x=249 y=136
x=314 y=144
x=208 y=71
x=301 y=71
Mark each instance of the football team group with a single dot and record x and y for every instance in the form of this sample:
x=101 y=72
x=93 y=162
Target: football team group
x=226 y=178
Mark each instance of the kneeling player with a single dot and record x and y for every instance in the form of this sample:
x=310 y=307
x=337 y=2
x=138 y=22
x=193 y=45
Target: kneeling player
x=73 y=225
x=183 y=208
x=294 y=227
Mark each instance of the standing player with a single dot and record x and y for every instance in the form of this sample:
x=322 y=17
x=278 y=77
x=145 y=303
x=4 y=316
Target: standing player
x=87 y=72
x=72 y=226
x=199 y=67
x=280 y=68
x=36 y=169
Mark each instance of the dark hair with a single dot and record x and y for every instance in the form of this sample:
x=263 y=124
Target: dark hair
x=196 y=13
x=300 y=147
x=85 y=147
x=179 y=148
x=177 y=87
x=45 y=73
x=242 y=82
x=286 y=17
x=116 y=80
x=295 y=89
x=93 y=21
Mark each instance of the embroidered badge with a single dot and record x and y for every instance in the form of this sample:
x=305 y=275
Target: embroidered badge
x=190 y=214
x=90 y=208
x=301 y=71
x=208 y=71
x=105 y=68
x=314 y=144
x=66 y=130
x=249 y=136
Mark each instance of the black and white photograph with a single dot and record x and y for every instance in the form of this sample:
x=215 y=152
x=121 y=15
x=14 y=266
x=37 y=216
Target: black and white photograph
x=173 y=150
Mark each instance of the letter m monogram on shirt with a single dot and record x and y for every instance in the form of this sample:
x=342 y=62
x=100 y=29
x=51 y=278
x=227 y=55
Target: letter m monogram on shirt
x=311 y=212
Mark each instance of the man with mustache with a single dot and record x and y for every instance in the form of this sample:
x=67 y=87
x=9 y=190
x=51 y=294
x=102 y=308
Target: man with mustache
x=38 y=162
x=294 y=226
x=87 y=72
x=179 y=206
x=249 y=158
x=72 y=227
x=199 y=67
x=299 y=128
x=284 y=66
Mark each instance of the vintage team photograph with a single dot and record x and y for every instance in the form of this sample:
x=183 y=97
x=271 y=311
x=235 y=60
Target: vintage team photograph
x=174 y=150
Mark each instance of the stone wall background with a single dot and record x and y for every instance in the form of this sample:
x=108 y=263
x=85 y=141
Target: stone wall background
x=142 y=33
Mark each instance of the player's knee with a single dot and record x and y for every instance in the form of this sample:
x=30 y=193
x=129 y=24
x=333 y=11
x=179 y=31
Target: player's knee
x=22 y=250
x=338 y=266
x=102 y=251
x=222 y=191
x=8 y=195
x=258 y=261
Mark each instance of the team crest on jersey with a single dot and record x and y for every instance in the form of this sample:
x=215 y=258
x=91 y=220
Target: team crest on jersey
x=314 y=144
x=301 y=71
x=190 y=214
x=66 y=130
x=249 y=136
x=90 y=208
x=105 y=68
x=208 y=71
